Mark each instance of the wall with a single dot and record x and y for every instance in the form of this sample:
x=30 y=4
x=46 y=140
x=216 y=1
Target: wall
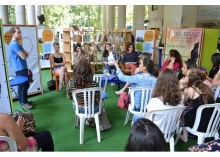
x=187 y=19
x=155 y=17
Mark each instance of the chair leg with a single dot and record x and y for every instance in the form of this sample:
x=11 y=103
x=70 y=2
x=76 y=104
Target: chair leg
x=76 y=121
x=178 y=135
x=216 y=136
x=97 y=127
x=127 y=117
x=171 y=144
x=201 y=139
x=81 y=133
x=57 y=83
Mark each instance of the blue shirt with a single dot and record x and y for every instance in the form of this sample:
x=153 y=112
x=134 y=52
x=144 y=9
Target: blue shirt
x=138 y=80
x=16 y=61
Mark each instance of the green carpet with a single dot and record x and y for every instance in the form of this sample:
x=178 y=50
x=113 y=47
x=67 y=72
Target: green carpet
x=54 y=112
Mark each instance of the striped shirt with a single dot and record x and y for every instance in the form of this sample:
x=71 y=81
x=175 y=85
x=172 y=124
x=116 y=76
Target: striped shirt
x=80 y=98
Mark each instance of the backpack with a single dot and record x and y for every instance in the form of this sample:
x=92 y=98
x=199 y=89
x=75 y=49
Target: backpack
x=124 y=101
x=51 y=85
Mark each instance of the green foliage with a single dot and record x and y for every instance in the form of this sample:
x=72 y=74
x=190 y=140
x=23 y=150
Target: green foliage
x=11 y=14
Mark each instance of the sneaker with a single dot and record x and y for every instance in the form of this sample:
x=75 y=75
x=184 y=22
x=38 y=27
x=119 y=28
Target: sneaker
x=27 y=105
x=60 y=87
x=113 y=84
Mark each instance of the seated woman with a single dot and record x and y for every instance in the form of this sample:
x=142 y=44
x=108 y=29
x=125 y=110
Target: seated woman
x=108 y=58
x=8 y=127
x=130 y=58
x=142 y=57
x=196 y=93
x=146 y=79
x=58 y=61
x=83 y=78
x=163 y=98
x=80 y=54
x=145 y=136
x=215 y=83
x=174 y=61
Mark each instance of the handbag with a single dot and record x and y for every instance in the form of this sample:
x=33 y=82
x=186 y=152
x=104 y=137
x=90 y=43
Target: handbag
x=29 y=125
x=124 y=101
x=103 y=121
x=51 y=85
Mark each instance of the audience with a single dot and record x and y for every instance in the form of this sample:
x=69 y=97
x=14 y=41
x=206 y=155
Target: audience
x=83 y=78
x=130 y=58
x=146 y=78
x=142 y=57
x=8 y=127
x=58 y=61
x=174 y=61
x=145 y=136
x=162 y=98
x=196 y=93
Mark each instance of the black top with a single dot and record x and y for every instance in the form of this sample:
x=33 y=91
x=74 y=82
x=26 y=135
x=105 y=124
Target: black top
x=213 y=72
x=130 y=57
x=58 y=60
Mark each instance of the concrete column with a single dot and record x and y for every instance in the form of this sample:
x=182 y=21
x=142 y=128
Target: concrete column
x=31 y=14
x=20 y=14
x=37 y=12
x=187 y=19
x=121 y=16
x=172 y=17
x=104 y=17
x=4 y=14
x=138 y=18
x=111 y=17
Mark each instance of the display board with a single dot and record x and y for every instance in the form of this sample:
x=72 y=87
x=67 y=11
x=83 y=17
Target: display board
x=45 y=45
x=188 y=41
x=30 y=44
x=145 y=41
x=5 y=96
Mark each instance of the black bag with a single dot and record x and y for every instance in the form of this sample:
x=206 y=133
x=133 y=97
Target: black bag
x=29 y=125
x=51 y=85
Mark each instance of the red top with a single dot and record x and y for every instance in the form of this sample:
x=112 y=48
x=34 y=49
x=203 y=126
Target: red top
x=176 y=65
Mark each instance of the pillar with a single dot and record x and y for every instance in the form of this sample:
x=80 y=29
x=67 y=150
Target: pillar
x=172 y=15
x=31 y=14
x=20 y=14
x=138 y=18
x=121 y=16
x=104 y=17
x=111 y=17
x=37 y=12
x=4 y=14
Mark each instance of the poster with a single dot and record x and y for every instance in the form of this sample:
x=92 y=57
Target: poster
x=29 y=43
x=145 y=41
x=187 y=41
x=5 y=96
x=45 y=45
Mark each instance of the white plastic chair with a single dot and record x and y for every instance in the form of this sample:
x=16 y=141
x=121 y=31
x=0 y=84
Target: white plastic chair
x=169 y=124
x=11 y=142
x=213 y=126
x=98 y=78
x=217 y=92
x=146 y=93
x=89 y=96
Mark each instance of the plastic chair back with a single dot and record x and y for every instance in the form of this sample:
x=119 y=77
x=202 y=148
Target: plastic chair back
x=217 y=92
x=11 y=142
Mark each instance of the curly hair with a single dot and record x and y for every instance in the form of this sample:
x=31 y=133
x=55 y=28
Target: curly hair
x=83 y=74
x=167 y=88
x=196 y=80
x=176 y=54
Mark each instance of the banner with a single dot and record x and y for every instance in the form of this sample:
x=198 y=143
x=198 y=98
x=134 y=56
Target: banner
x=29 y=43
x=188 y=41
x=145 y=41
x=5 y=96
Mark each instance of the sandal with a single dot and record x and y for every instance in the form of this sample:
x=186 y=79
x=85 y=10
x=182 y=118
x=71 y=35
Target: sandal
x=90 y=123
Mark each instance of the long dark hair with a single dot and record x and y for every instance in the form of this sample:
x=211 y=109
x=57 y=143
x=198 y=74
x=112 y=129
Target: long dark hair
x=215 y=60
x=82 y=74
x=176 y=54
x=195 y=80
x=129 y=46
x=150 y=67
x=77 y=45
x=105 y=52
x=145 y=136
x=167 y=88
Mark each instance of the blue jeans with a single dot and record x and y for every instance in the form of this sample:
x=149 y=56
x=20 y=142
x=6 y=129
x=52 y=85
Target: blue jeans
x=82 y=109
x=23 y=88
x=109 y=68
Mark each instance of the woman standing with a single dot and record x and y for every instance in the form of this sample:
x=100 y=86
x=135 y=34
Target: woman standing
x=196 y=93
x=130 y=58
x=174 y=61
x=58 y=61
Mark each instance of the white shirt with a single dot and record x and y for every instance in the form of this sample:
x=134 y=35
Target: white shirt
x=110 y=57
